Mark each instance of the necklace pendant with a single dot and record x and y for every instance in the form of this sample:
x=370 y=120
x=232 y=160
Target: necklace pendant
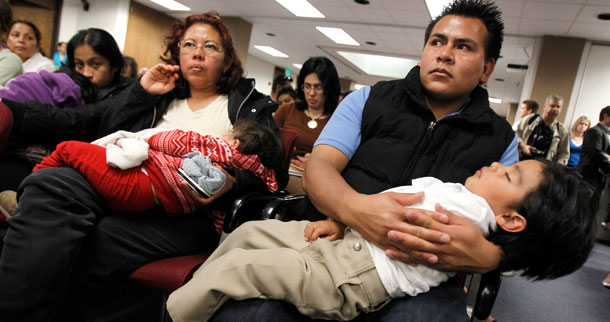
x=312 y=124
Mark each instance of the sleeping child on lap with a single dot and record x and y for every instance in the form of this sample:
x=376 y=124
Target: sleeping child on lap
x=144 y=171
x=539 y=213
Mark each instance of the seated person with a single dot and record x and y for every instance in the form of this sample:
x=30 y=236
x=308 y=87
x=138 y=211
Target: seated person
x=523 y=208
x=149 y=176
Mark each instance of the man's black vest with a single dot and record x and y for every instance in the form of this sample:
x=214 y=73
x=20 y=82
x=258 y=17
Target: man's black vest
x=401 y=139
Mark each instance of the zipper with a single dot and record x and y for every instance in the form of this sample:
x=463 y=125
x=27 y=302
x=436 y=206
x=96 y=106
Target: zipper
x=431 y=126
x=244 y=101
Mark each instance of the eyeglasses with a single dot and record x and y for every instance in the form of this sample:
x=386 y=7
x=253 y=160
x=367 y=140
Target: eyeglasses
x=189 y=45
x=317 y=88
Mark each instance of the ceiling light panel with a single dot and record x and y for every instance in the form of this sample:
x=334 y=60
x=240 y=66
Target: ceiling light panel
x=271 y=51
x=338 y=35
x=435 y=7
x=172 y=5
x=378 y=65
x=301 y=8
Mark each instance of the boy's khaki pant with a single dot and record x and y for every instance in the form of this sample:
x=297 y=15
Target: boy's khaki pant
x=271 y=260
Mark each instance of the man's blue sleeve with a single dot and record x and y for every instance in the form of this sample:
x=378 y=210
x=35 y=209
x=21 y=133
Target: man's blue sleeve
x=511 y=155
x=343 y=129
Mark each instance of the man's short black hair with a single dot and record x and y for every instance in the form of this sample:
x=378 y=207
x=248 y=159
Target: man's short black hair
x=487 y=12
x=604 y=111
x=255 y=138
x=560 y=229
x=280 y=80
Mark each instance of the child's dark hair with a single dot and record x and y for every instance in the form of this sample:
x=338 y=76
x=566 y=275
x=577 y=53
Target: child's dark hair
x=287 y=90
x=487 y=12
x=255 y=138
x=88 y=91
x=560 y=229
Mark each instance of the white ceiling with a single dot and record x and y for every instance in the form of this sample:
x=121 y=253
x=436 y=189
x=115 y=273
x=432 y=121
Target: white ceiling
x=397 y=27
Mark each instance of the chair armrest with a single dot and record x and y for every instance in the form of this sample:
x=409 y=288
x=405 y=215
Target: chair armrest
x=276 y=208
x=486 y=293
x=245 y=208
x=168 y=274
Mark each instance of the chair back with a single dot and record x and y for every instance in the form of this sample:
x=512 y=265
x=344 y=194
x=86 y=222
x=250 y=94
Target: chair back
x=289 y=137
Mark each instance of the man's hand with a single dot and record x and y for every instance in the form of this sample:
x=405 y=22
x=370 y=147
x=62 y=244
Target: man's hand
x=328 y=229
x=373 y=216
x=526 y=149
x=160 y=79
x=205 y=201
x=465 y=250
x=300 y=161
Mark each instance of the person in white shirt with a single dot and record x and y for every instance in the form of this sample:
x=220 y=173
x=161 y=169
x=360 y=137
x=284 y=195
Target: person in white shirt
x=542 y=228
x=24 y=40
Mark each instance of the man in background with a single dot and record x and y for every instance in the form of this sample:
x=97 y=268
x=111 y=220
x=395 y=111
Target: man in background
x=542 y=136
x=278 y=83
x=527 y=107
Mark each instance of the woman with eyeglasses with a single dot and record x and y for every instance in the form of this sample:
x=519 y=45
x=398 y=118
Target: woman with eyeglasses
x=63 y=234
x=318 y=92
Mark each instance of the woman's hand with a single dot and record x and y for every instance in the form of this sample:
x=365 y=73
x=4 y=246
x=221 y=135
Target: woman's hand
x=461 y=246
x=301 y=160
x=203 y=200
x=328 y=229
x=160 y=79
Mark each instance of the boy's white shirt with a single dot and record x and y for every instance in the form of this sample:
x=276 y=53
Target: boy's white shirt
x=400 y=279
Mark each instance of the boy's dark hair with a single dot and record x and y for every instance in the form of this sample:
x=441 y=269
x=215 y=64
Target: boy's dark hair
x=560 y=229
x=487 y=12
x=604 y=111
x=287 y=90
x=327 y=73
x=102 y=43
x=255 y=138
x=531 y=105
x=88 y=91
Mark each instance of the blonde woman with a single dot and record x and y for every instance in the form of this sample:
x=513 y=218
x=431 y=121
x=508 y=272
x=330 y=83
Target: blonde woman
x=577 y=134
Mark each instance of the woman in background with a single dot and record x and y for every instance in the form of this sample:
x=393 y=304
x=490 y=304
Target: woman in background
x=60 y=58
x=580 y=126
x=318 y=91
x=10 y=64
x=24 y=40
x=38 y=126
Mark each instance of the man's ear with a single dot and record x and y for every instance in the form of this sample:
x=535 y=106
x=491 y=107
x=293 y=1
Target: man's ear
x=512 y=221
x=488 y=68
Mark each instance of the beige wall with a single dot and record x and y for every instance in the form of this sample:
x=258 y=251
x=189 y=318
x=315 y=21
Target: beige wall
x=240 y=31
x=557 y=69
x=512 y=112
x=42 y=17
x=146 y=30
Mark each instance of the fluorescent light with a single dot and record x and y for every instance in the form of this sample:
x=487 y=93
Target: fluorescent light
x=271 y=51
x=385 y=66
x=435 y=7
x=299 y=66
x=172 y=5
x=338 y=35
x=301 y=8
x=495 y=100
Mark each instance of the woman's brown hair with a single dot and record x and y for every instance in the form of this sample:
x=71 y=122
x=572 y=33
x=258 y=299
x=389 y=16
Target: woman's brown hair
x=171 y=55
